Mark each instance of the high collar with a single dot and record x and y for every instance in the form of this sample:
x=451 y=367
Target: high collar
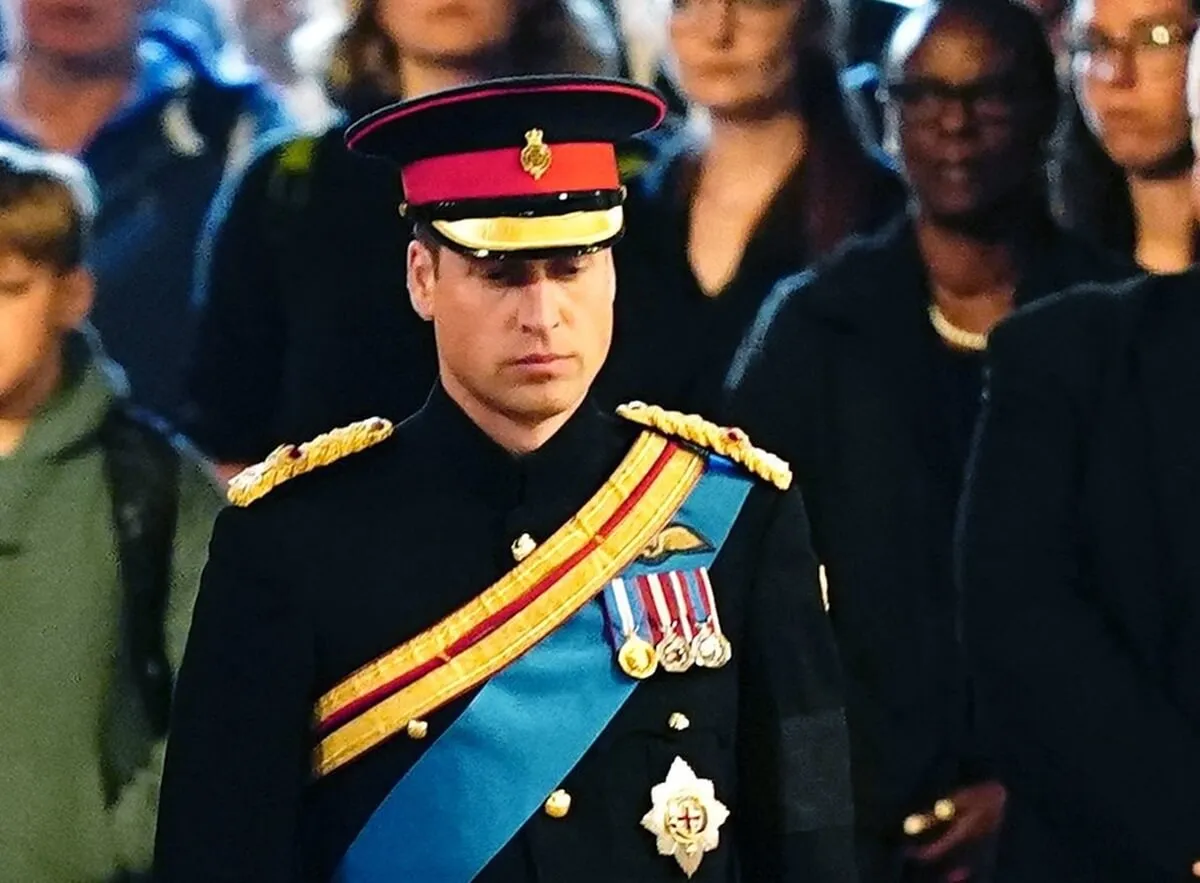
x=569 y=465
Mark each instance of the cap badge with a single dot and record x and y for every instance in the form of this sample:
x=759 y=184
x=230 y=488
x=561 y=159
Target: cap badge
x=535 y=156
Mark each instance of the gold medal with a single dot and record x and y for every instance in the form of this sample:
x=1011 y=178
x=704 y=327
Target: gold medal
x=637 y=657
x=675 y=653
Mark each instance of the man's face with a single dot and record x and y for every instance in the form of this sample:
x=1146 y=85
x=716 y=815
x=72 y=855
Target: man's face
x=521 y=339
x=965 y=119
x=83 y=30
x=37 y=307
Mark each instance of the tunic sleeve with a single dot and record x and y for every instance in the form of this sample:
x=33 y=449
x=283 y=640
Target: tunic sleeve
x=237 y=756
x=795 y=806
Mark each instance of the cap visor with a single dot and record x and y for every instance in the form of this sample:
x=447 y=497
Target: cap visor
x=576 y=230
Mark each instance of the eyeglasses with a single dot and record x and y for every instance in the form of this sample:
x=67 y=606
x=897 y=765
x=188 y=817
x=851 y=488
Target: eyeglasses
x=988 y=100
x=1152 y=49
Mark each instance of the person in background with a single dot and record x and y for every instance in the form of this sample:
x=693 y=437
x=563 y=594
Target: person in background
x=1081 y=578
x=158 y=127
x=780 y=178
x=288 y=40
x=104 y=526
x=865 y=373
x=303 y=318
x=1121 y=166
x=641 y=27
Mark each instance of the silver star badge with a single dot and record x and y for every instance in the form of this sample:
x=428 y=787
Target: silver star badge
x=686 y=816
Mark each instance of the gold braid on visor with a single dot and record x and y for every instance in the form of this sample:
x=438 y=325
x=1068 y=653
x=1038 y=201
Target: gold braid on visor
x=573 y=230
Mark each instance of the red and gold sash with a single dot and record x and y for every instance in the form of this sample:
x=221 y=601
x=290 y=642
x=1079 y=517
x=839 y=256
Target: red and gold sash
x=513 y=615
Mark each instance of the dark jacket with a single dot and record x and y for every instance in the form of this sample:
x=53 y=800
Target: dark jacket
x=304 y=321
x=1081 y=576
x=844 y=376
x=672 y=342
x=103 y=533
x=329 y=572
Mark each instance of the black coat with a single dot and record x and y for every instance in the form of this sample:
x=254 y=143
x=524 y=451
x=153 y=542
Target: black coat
x=844 y=376
x=304 y=321
x=1081 y=572
x=672 y=343
x=336 y=568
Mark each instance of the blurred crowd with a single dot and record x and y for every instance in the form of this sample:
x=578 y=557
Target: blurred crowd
x=847 y=197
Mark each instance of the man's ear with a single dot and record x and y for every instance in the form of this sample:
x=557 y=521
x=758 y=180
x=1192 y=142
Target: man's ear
x=422 y=275
x=78 y=289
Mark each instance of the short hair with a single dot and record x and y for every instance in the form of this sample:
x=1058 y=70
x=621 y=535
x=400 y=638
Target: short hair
x=47 y=205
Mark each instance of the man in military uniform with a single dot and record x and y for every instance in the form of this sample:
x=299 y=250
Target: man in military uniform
x=512 y=639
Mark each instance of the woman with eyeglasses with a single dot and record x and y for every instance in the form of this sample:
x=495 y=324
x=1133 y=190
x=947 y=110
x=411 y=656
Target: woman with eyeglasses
x=1122 y=163
x=866 y=374
x=775 y=177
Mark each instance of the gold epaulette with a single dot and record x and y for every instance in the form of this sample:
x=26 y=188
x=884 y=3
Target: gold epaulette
x=724 y=440
x=288 y=461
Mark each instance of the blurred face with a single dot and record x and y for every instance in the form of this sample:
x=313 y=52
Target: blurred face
x=735 y=56
x=84 y=30
x=522 y=340
x=448 y=31
x=37 y=307
x=967 y=122
x=1128 y=66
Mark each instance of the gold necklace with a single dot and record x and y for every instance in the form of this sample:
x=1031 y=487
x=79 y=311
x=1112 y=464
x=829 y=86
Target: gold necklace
x=959 y=338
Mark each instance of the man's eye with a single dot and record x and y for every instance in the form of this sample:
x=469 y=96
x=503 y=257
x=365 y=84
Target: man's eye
x=14 y=289
x=566 y=269
x=502 y=277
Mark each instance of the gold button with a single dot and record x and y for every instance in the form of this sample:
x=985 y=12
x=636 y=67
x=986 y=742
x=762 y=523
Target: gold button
x=558 y=804
x=915 y=824
x=417 y=729
x=944 y=810
x=523 y=547
x=678 y=721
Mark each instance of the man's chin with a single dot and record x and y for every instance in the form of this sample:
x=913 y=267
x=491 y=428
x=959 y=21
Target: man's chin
x=538 y=403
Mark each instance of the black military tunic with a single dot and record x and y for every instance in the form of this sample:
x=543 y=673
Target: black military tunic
x=337 y=567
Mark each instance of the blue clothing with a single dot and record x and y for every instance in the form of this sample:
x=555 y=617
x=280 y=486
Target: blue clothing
x=157 y=163
x=195 y=18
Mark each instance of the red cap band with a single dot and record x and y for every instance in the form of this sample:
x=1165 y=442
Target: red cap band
x=498 y=174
